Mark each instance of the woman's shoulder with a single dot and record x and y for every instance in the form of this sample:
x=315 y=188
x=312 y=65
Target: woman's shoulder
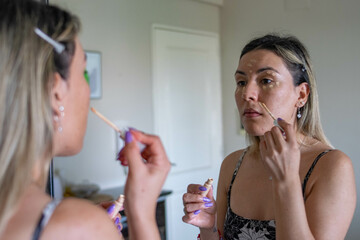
x=328 y=157
x=229 y=163
x=334 y=161
x=77 y=218
x=231 y=159
x=332 y=168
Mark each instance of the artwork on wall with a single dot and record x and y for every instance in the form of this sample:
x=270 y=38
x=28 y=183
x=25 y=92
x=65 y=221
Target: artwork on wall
x=93 y=67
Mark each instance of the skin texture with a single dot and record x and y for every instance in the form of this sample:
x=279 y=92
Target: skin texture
x=81 y=219
x=330 y=192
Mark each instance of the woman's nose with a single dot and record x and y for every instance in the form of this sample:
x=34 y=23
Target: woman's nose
x=250 y=92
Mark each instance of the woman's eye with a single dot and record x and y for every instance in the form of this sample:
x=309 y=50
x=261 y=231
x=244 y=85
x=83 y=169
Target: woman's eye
x=266 y=81
x=241 y=83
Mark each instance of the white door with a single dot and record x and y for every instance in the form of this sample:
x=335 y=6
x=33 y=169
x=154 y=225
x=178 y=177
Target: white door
x=187 y=112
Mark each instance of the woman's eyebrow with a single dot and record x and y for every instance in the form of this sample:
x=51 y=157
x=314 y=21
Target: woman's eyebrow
x=266 y=69
x=258 y=71
x=240 y=72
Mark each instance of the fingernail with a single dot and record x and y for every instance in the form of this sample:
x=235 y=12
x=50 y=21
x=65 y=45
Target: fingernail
x=205 y=199
x=208 y=204
x=202 y=188
x=110 y=209
x=280 y=119
x=131 y=128
x=128 y=137
x=117 y=220
x=197 y=212
x=119 y=227
x=118 y=156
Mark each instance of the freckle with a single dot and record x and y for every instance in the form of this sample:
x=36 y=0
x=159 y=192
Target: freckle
x=273 y=74
x=253 y=60
x=264 y=87
x=250 y=71
x=277 y=83
x=271 y=86
x=249 y=65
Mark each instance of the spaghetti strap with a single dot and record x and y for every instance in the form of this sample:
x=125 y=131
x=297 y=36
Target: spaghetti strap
x=45 y=217
x=311 y=170
x=234 y=174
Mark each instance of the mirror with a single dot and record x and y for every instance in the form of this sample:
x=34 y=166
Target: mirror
x=121 y=31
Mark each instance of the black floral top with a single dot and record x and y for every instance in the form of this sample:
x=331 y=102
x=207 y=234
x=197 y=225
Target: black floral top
x=240 y=228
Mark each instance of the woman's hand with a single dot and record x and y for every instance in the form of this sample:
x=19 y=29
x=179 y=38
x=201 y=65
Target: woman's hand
x=109 y=206
x=281 y=153
x=199 y=210
x=146 y=176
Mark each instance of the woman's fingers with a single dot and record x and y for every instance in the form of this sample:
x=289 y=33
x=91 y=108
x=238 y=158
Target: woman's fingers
x=199 y=210
x=132 y=152
x=195 y=198
x=154 y=151
x=289 y=131
x=193 y=207
x=189 y=218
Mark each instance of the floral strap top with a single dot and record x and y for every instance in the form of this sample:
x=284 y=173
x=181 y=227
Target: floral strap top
x=240 y=228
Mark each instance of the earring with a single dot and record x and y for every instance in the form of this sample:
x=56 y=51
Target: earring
x=298 y=115
x=58 y=119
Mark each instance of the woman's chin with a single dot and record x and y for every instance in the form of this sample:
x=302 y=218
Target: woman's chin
x=255 y=132
x=69 y=151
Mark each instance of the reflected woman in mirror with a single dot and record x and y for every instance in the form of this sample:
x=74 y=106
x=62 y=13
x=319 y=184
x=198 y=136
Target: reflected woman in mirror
x=44 y=104
x=289 y=183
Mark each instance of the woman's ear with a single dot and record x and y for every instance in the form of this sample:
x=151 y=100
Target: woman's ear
x=58 y=93
x=303 y=91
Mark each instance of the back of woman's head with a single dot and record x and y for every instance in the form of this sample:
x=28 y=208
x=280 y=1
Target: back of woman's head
x=27 y=65
x=297 y=60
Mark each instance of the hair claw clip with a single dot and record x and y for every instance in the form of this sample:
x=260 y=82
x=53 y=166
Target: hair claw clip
x=59 y=48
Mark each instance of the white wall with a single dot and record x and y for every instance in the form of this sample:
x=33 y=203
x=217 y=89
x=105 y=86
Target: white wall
x=330 y=30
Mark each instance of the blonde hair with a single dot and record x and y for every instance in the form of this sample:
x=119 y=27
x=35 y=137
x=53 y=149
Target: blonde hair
x=297 y=61
x=27 y=65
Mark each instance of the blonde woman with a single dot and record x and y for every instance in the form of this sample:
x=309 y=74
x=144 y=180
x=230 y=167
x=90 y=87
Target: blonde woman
x=44 y=103
x=289 y=183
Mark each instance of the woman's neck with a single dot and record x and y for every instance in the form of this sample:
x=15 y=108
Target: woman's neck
x=40 y=173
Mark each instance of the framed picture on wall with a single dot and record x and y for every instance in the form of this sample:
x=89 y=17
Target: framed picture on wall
x=93 y=67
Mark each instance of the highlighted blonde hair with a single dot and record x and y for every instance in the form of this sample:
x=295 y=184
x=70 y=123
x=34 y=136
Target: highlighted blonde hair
x=27 y=66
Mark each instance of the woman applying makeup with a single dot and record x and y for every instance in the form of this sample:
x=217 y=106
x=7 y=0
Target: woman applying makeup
x=44 y=104
x=288 y=184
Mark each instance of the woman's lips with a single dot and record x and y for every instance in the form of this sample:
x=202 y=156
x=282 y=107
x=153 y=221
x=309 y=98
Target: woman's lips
x=251 y=113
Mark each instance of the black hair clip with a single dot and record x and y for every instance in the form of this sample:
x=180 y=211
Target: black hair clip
x=303 y=69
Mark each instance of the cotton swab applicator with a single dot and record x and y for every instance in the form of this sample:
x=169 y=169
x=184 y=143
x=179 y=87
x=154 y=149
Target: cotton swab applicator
x=271 y=115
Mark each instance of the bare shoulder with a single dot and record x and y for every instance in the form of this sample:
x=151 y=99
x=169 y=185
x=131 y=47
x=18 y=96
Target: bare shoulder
x=228 y=166
x=335 y=164
x=333 y=178
x=230 y=160
x=80 y=219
